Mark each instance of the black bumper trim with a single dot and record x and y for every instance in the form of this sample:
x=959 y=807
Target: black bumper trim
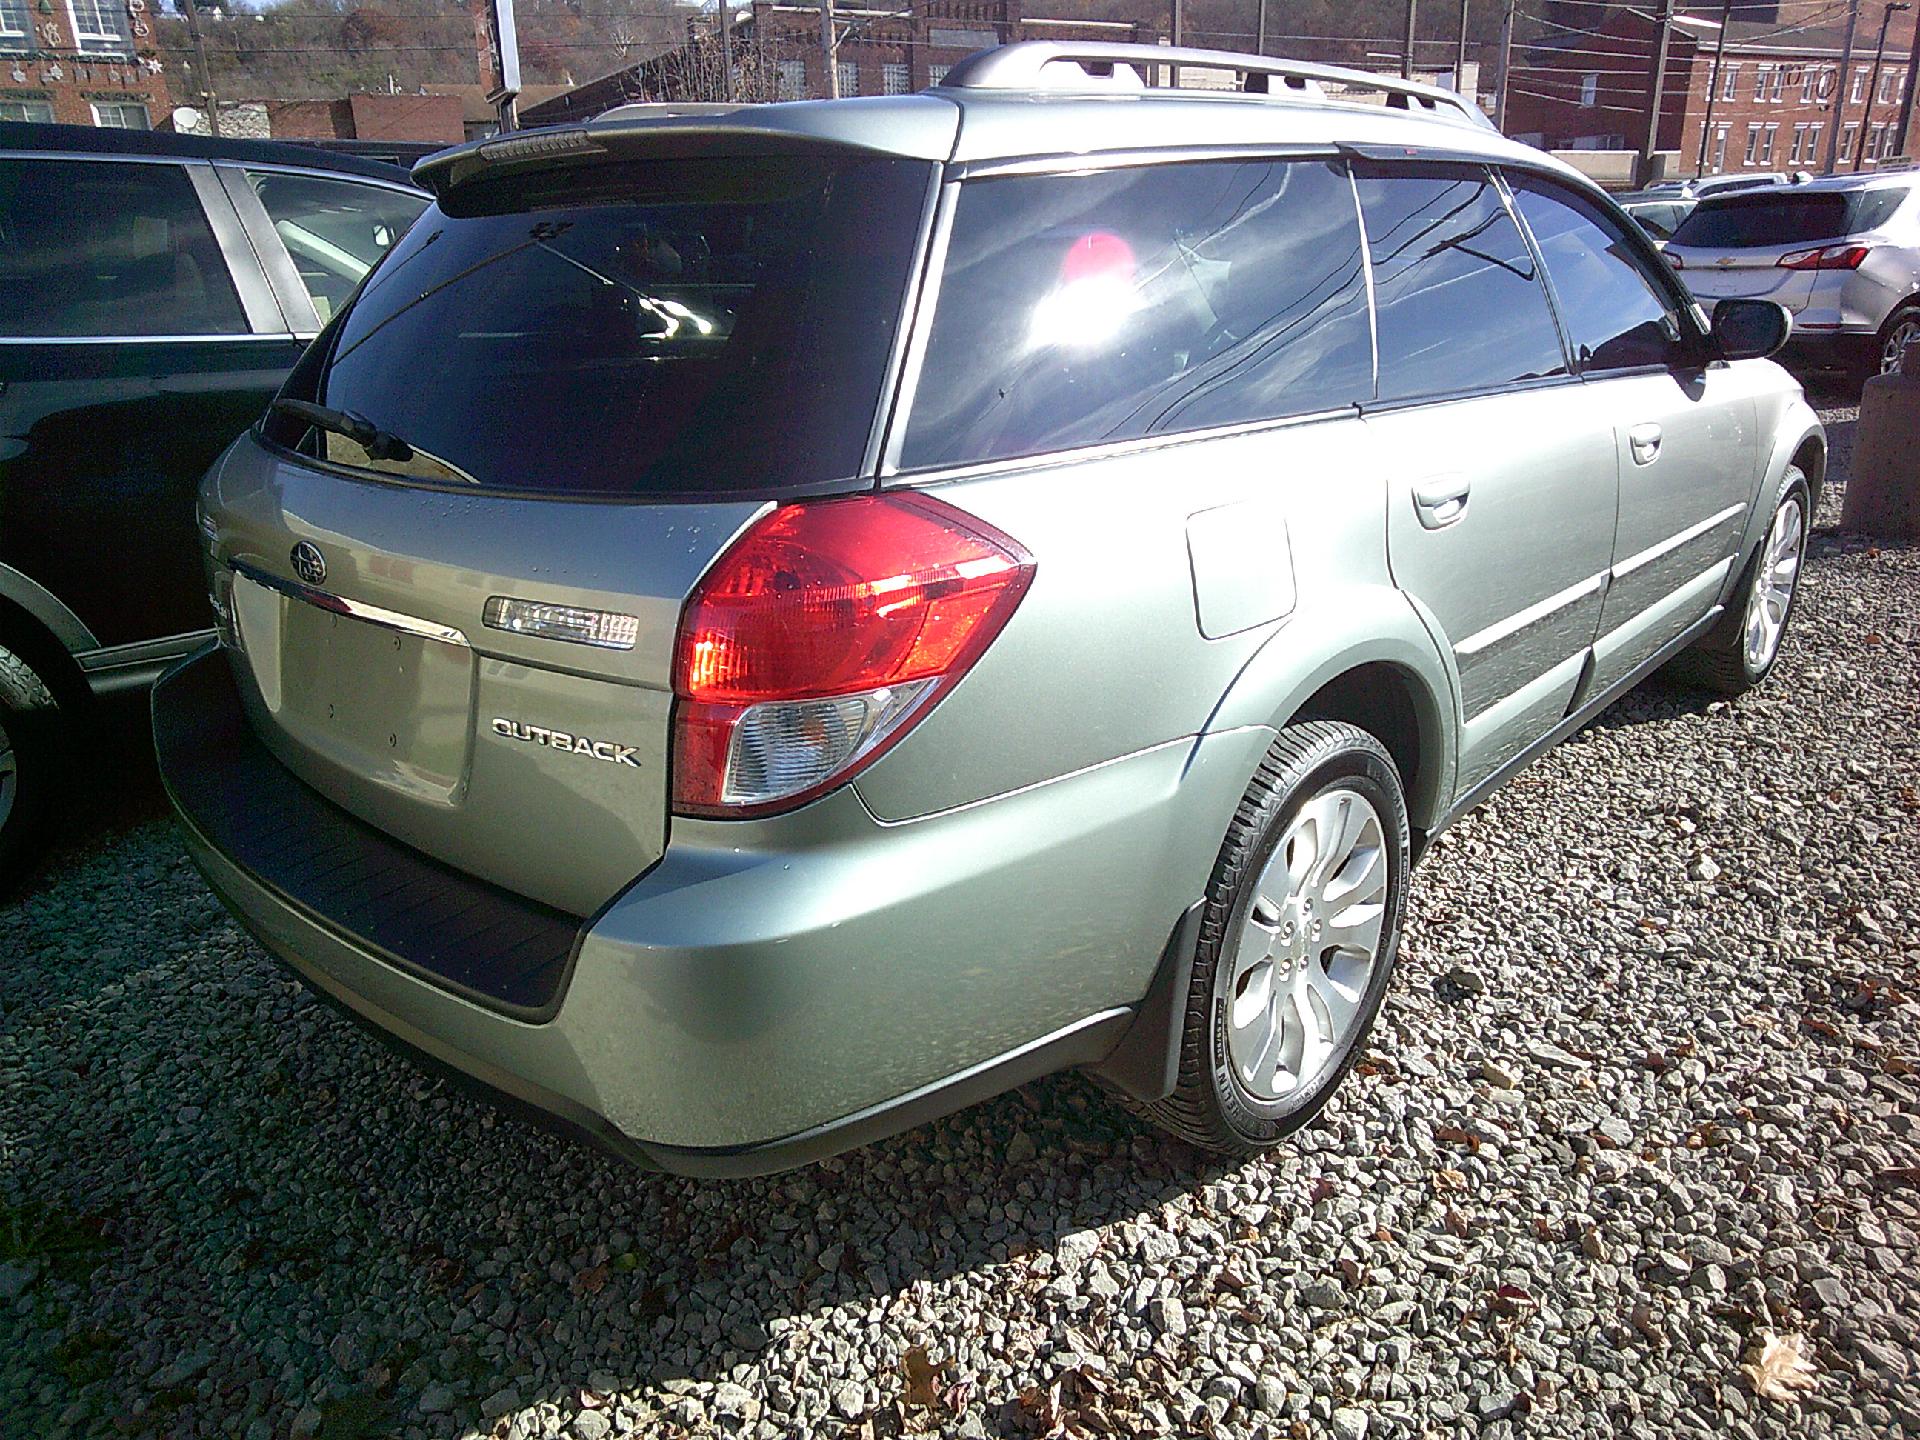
x=375 y=893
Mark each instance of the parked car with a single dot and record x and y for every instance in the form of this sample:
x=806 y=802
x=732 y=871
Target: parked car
x=1841 y=253
x=1701 y=186
x=1657 y=215
x=755 y=630
x=154 y=291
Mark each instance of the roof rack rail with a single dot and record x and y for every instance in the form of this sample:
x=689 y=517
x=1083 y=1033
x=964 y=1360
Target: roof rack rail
x=1051 y=65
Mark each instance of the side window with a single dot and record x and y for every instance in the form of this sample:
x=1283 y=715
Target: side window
x=109 y=249
x=1616 y=313
x=1116 y=304
x=1458 y=303
x=335 y=230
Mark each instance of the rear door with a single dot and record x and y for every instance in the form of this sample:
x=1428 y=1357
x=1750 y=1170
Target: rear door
x=137 y=338
x=1501 y=478
x=1684 y=431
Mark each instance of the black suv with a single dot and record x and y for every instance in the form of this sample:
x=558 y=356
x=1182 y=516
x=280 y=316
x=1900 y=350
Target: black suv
x=154 y=291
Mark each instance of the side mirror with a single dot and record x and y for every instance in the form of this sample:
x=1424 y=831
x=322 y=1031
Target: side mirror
x=1750 y=329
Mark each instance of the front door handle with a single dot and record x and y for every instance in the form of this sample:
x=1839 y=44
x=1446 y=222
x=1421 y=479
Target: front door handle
x=1441 y=499
x=1644 y=441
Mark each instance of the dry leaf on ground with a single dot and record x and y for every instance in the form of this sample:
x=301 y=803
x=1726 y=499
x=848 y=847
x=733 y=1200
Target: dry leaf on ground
x=1782 y=1370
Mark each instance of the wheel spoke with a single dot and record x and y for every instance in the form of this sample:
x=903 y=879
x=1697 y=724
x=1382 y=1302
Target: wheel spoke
x=1361 y=876
x=1339 y=1002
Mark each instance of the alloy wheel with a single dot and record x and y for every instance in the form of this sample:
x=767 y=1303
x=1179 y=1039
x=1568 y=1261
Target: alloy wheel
x=1308 y=946
x=1901 y=336
x=1773 y=582
x=9 y=776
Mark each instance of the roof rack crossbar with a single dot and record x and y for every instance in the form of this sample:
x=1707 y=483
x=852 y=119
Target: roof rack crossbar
x=1023 y=66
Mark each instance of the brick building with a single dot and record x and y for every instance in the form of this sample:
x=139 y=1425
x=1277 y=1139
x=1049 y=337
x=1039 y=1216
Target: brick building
x=80 y=62
x=1771 y=102
x=431 y=118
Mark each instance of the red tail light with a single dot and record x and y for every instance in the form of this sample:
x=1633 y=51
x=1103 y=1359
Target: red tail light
x=821 y=636
x=1824 y=257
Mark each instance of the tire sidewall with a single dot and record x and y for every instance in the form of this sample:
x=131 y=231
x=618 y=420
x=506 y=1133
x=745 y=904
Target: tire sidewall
x=1794 y=486
x=1373 y=775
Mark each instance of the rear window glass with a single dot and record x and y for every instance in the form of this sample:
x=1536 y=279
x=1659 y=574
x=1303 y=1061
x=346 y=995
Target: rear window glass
x=672 y=326
x=1735 y=222
x=1077 y=309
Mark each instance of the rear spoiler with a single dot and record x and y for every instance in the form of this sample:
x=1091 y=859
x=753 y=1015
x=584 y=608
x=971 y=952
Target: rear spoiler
x=918 y=127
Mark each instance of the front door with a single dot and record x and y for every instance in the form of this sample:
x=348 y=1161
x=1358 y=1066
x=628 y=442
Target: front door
x=1501 y=479
x=1685 y=441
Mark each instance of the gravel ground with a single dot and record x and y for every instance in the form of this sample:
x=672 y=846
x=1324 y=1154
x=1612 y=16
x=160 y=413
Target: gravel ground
x=1644 y=1093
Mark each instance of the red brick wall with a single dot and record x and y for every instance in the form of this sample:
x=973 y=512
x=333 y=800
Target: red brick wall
x=407 y=117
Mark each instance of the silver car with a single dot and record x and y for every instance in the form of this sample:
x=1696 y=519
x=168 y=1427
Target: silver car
x=752 y=631
x=1841 y=253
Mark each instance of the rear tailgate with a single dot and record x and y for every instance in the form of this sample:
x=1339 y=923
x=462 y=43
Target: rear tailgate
x=537 y=764
x=453 y=560
x=1732 y=245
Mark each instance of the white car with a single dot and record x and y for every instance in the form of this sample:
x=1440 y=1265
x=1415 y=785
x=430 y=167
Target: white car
x=1841 y=253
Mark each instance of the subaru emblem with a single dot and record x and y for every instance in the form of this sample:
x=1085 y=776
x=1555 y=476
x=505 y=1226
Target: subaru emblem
x=309 y=564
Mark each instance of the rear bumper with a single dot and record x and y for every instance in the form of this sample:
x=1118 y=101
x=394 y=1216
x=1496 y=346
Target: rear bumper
x=771 y=991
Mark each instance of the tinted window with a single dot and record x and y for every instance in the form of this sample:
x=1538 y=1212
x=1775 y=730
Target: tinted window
x=1082 y=308
x=109 y=249
x=1615 y=313
x=1459 y=305
x=1734 y=222
x=687 y=326
x=336 y=231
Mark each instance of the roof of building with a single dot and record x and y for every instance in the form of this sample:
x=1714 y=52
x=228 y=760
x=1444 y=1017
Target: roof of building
x=104 y=140
x=476 y=109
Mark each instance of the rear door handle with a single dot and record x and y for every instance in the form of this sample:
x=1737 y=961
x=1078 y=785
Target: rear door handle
x=1644 y=441
x=1441 y=499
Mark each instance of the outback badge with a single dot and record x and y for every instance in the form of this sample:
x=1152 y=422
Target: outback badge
x=607 y=750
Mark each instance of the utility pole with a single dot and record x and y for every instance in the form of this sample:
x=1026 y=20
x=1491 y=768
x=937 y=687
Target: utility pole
x=1906 y=93
x=1713 y=86
x=1260 y=37
x=1406 y=47
x=1460 y=58
x=1506 y=65
x=726 y=50
x=1873 y=79
x=200 y=58
x=1179 y=39
x=1656 y=88
x=1840 y=88
x=827 y=50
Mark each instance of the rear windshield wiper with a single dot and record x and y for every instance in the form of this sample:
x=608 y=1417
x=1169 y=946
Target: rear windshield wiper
x=378 y=443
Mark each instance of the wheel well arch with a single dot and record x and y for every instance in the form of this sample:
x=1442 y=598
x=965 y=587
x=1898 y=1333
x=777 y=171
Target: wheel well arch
x=22 y=632
x=1391 y=704
x=1811 y=458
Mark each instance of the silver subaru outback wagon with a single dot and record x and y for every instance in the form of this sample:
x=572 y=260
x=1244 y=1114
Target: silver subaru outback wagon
x=751 y=631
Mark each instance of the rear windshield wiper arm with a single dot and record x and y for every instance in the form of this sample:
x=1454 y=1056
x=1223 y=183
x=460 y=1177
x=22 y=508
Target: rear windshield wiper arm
x=380 y=444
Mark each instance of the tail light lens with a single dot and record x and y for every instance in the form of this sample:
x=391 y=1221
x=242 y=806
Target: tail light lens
x=1674 y=258
x=1824 y=257
x=821 y=636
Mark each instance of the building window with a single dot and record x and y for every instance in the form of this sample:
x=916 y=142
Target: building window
x=1720 y=148
x=33 y=112
x=1874 y=134
x=937 y=73
x=1808 y=77
x=1813 y=144
x=1766 y=144
x=1889 y=85
x=121 y=115
x=1799 y=139
x=1859 y=86
x=1848 y=134
x=1730 y=83
x=98 y=29
x=1779 y=81
x=896 y=80
x=1753 y=143
x=793 y=79
x=1760 y=79
x=1589 y=90
x=848 y=74
x=15 y=32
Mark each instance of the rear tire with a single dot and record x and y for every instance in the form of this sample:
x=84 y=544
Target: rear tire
x=32 y=751
x=1297 y=940
x=1740 y=651
x=1901 y=330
